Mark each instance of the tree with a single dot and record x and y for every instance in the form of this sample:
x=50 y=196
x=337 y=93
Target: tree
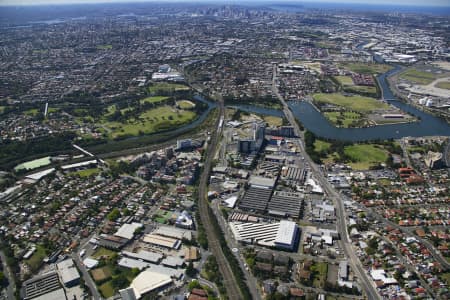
x=194 y=284
x=114 y=214
x=190 y=270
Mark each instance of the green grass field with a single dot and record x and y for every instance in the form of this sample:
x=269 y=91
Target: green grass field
x=441 y=85
x=418 y=77
x=153 y=99
x=356 y=103
x=31 y=112
x=273 y=121
x=342 y=119
x=320 y=145
x=361 y=89
x=366 y=68
x=320 y=274
x=34 y=164
x=103 y=252
x=107 y=289
x=36 y=259
x=365 y=155
x=104 y=47
x=344 y=80
x=167 y=87
x=2 y=109
x=151 y=121
x=185 y=104
x=86 y=173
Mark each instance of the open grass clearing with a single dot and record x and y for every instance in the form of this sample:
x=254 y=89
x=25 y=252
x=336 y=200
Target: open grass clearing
x=107 y=289
x=273 y=121
x=151 y=121
x=167 y=87
x=361 y=89
x=366 y=68
x=185 y=104
x=101 y=274
x=355 y=103
x=2 y=109
x=364 y=156
x=320 y=145
x=104 y=47
x=319 y=274
x=441 y=85
x=418 y=77
x=103 y=252
x=35 y=261
x=31 y=112
x=344 y=80
x=153 y=99
x=34 y=164
x=86 y=173
x=343 y=119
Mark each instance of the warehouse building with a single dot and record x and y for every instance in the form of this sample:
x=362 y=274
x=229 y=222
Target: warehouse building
x=286 y=204
x=162 y=241
x=151 y=257
x=68 y=273
x=43 y=285
x=149 y=281
x=255 y=199
x=282 y=234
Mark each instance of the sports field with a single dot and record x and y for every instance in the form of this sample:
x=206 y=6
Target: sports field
x=356 y=103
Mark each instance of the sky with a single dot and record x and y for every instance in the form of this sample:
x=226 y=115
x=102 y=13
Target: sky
x=374 y=2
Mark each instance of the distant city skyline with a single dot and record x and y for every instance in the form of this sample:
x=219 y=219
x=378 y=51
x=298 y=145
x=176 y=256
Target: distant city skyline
x=443 y=3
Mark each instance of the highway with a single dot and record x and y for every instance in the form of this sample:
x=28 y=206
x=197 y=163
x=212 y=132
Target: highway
x=229 y=281
x=367 y=284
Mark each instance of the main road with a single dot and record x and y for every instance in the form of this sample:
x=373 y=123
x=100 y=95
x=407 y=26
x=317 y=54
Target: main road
x=367 y=284
x=229 y=280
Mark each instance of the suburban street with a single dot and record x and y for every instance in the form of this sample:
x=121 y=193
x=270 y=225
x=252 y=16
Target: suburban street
x=11 y=283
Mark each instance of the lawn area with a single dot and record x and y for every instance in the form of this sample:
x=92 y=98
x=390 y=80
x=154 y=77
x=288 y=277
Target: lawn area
x=446 y=278
x=153 y=99
x=36 y=259
x=361 y=89
x=185 y=104
x=31 y=112
x=365 y=155
x=34 y=164
x=2 y=109
x=441 y=85
x=342 y=119
x=103 y=252
x=320 y=274
x=344 y=80
x=104 y=47
x=151 y=121
x=86 y=173
x=162 y=216
x=102 y=273
x=384 y=182
x=418 y=77
x=273 y=121
x=107 y=289
x=320 y=146
x=355 y=103
x=366 y=68
x=167 y=87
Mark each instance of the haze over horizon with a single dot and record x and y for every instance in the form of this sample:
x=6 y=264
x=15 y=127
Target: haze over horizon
x=438 y=3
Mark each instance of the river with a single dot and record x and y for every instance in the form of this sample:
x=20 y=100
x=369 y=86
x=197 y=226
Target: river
x=314 y=121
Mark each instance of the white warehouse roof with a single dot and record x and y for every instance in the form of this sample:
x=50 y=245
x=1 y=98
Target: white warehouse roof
x=148 y=281
x=127 y=230
x=286 y=233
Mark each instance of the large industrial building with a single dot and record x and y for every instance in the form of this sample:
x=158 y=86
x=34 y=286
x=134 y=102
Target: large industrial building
x=68 y=273
x=286 y=204
x=149 y=281
x=282 y=234
x=45 y=286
